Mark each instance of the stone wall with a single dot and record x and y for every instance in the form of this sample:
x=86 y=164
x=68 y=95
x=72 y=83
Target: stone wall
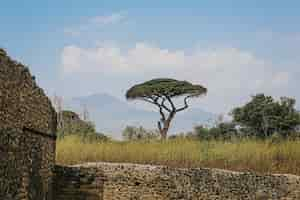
x=106 y=181
x=27 y=135
x=72 y=183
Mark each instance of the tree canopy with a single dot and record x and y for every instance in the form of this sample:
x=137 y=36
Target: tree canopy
x=265 y=116
x=160 y=92
x=164 y=87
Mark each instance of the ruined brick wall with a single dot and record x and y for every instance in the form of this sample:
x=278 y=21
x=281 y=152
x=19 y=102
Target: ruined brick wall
x=72 y=183
x=27 y=135
x=107 y=181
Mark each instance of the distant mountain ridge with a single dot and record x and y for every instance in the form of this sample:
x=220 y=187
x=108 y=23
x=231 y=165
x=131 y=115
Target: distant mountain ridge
x=112 y=115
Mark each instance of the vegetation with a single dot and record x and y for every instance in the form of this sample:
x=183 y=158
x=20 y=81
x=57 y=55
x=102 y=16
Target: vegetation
x=240 y=155
x=71 y=124
x=160 y=91
x=221 y=131
x=131 y=133
x=263 y=116
x=260 y=138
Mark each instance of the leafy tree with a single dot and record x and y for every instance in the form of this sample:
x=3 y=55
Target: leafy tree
x=265 y=116
x=202 y=132
x=160 y=92
x=227 y=130
x=139 y=133
x=223 y=131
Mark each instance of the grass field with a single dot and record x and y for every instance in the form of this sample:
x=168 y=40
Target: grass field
x=246 y=155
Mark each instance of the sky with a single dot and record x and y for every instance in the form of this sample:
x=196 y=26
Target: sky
x=234 y=48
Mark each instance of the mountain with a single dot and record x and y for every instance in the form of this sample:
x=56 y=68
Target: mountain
x=112 y=115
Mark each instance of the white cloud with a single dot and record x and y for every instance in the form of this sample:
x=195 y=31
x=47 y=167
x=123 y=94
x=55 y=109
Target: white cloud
x=142 y=57
x=108 y=19
x=71 y=57
x=95 y=22
x=230 y=74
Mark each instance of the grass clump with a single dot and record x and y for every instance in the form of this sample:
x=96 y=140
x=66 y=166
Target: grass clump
x=242 y=155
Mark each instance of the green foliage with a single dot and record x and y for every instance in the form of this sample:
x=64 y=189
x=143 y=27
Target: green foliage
x=131 y=133
x=182 y=135
x=94 y=137
x=164 y=86
x=160 y=91
x=71 y=124
x=69 y=115
x=202 y=133
x=222 y=131
x=264 y=116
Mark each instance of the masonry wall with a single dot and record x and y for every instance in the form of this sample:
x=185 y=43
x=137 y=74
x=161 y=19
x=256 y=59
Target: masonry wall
x=27 y=135
x=105 y=181
x=73 y=183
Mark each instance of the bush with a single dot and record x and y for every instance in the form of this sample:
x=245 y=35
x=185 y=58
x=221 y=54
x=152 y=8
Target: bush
x=132 y=133
x=222 y=131
x=71 y=124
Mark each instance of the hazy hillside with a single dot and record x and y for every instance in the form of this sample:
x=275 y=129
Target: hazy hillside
x=111 y=115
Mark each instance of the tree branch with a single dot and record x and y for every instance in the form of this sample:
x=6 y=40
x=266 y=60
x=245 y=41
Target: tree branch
x=163 y=117
x=164 y=106
x=154 y=101
x=185 y=104
x=171 y=102
x=149 y=100
x=159 y=125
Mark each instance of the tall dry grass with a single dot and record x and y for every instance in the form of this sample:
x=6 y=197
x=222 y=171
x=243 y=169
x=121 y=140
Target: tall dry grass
x=244 y=155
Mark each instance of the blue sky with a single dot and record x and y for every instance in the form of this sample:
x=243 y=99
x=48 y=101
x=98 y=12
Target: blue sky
x=235 y=48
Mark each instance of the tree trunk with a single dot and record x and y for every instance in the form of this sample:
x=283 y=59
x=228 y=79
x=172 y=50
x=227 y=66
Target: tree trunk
x=164 y=130
x=166 y=125
x=163 y=133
